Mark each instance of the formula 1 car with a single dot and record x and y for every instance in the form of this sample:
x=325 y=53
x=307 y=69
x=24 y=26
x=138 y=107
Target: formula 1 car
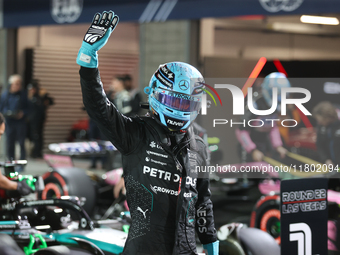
x=35 y=225
x=59 y=224
x=78 y=235
x=64 y=179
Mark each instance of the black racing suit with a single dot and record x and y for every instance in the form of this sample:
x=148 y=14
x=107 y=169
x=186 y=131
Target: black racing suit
x=166 y=199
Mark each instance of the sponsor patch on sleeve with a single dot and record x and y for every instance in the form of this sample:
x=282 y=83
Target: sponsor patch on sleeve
x=85 y=58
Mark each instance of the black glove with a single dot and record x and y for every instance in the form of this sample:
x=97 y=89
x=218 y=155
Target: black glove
x=96 y=37
x=23 y=188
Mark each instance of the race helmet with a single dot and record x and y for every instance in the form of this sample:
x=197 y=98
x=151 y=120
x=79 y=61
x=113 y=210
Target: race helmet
x=274 y=80
x=175 y=94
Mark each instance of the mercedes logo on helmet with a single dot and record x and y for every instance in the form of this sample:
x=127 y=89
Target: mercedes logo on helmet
x=183 y=85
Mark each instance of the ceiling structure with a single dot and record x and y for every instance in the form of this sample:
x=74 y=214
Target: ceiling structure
x=278 y=24
x=16 y=13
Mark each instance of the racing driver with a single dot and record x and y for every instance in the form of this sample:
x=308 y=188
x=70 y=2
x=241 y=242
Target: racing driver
x=166 y=197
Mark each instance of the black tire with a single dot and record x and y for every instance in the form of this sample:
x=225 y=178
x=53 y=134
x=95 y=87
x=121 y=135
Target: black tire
x=70 y=181
x=266 y=217
x=270 y=223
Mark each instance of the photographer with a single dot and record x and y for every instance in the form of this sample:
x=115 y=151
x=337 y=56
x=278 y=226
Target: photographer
x=14 y=106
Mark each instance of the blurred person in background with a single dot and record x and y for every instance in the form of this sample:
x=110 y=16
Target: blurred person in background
x=95 y=134
x=256 y=142
x=38 y=101
x=119 y=95
x=14 y=106
x=292 y=113
x=21 y=187
x=328 y=133
x=122 y=99
x=134 y=94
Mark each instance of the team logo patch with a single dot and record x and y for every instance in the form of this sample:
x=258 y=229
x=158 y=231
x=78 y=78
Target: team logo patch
x=165 y=76
x=174 y=123
x=153 y=144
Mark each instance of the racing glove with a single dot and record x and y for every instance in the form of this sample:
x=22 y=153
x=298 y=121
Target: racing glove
x=96 y=37
x=211 y=248
x=23 y=188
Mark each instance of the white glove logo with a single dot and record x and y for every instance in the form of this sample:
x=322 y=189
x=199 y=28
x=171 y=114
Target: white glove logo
x=94 y=34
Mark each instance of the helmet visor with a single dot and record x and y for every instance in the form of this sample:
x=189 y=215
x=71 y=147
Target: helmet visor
x=178 y=101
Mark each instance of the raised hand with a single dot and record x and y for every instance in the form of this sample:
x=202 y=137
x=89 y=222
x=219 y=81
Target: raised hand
x=96 y=37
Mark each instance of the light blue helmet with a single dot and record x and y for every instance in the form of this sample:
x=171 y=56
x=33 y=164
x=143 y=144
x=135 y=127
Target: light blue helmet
x=274 y=80
x=175 y=94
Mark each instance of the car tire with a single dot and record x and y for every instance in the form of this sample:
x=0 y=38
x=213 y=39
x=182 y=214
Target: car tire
x=266 y=216
x=70 y=181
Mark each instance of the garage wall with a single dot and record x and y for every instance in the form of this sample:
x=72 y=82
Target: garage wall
x=163 y=42
x=125 y=39
x=54 y=64
x=253 y=45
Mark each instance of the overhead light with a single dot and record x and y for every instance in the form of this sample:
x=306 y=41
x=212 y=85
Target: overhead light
x=319 y=20
x=292 y=27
